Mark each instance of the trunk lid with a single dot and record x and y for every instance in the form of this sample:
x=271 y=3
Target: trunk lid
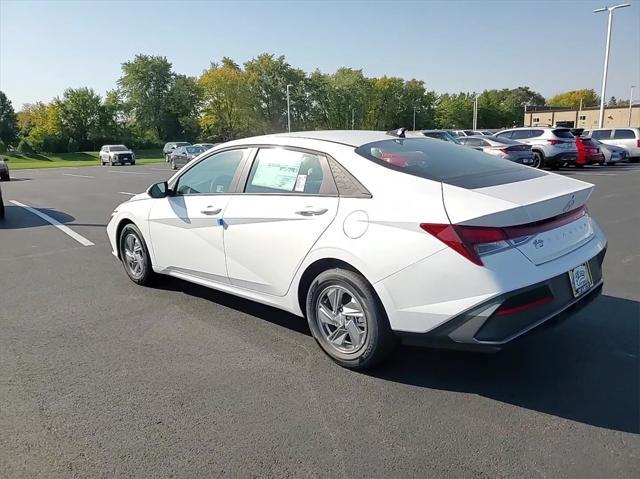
x=530 y=202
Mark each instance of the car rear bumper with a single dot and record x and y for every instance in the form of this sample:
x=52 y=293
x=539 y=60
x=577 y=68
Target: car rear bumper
x=484 y=327
x=568 y=157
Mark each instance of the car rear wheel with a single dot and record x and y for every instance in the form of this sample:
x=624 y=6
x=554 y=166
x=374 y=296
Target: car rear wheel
x=347 y=319
x=538 y=160
x=135 y=255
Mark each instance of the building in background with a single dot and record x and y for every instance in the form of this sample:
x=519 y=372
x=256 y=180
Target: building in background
x=614 y=116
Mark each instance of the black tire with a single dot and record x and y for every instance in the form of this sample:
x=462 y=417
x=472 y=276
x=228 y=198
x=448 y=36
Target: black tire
x=146 y=274
x=379 y=341
x=634 y=159
x=538 y=160
x=1 y=209
x=5 y=176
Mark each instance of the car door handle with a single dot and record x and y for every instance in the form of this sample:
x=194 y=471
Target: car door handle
x=311 y=212
x=210 y=210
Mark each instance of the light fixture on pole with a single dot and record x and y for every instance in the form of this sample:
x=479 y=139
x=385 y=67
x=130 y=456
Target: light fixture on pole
x=288 y=109
x=606 y=57
x=630 y=103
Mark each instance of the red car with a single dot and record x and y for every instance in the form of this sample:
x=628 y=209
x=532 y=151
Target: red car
x=589 y=152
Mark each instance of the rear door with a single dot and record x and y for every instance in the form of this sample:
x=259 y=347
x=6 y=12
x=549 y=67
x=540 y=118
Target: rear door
x=289 y=200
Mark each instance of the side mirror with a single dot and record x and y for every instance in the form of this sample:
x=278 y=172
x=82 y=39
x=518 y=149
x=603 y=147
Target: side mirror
x=159 y=190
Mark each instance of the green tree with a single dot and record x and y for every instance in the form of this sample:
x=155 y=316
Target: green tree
x=414 y=95
x=226 y=101
x=44 y=124
x=385 y=106
x=267 y=77
x=505 y=108
x=8 y=120
x=571 y=99
x=183 y=105
x=455 y=110
x=146 y=84
x=81 y=114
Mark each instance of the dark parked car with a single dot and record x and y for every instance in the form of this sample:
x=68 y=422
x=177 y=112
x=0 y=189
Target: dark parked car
x=206 y=146
x=439 y=135
x=184 y=154
x=503 y=147
x=4 y=170
x=172 y=145
x=1 y=206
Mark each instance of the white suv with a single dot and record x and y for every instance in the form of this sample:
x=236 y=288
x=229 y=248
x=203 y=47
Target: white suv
x=553 y=147
x=627 y=138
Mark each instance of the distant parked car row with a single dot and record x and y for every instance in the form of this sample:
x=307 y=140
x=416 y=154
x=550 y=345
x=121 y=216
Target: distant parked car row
x=179 y=153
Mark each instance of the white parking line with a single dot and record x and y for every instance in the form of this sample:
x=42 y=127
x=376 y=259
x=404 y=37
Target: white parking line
x=158 y=169
x=128 y=172
x=68 y=231
x=77 y=176
x=126 y=193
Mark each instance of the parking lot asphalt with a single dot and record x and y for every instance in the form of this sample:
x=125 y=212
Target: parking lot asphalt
x=103 y=378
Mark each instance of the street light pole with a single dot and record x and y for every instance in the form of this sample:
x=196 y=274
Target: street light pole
x=288 y=109
x=630 y=102
x=475 y=113
x=606 y=58
x=414 y=118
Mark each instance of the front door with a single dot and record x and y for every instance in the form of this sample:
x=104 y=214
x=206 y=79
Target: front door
x=289 y=201
x=186 y=228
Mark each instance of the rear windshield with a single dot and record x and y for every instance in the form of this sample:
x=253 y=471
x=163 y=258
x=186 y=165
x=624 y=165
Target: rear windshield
x=194 y=149
x=442 y=161
x=563 y=133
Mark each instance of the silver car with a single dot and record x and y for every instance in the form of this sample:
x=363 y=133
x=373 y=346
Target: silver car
x=552 y=147
x=443 y=135
x=183 y=155
x=627 y=138
x=504 y=148
x=612 y=153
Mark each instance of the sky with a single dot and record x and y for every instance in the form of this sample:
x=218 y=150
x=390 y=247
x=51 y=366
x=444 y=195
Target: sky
x=465 y=45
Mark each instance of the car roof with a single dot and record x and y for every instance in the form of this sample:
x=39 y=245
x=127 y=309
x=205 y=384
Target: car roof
x=353 y=138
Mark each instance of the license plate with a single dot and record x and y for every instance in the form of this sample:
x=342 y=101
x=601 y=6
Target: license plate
x=581 y=279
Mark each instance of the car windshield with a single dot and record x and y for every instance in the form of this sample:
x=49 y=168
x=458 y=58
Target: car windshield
x=442 y=135
x=118 y=148
x=442 y=161
x=194 y=149
x=182 y=143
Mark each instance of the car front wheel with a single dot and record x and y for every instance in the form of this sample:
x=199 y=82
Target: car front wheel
x=347 y=319
x=135 y=255
x=538 y=161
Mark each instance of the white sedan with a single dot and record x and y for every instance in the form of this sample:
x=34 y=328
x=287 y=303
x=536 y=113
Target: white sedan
x=372 y=237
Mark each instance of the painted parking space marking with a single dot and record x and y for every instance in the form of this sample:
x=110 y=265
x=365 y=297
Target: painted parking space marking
x=66 y=230
x=77 y=176
x=127 y=193
x=128 y=172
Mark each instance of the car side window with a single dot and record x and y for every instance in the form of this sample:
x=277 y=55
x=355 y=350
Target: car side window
x=282 y=171
x=601 y=134
x=213 y=174
x=506 y=134
x=624 y=135
x=520 y=134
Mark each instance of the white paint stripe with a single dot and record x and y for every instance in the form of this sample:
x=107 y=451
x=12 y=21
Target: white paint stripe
x=77 y=176
x=158 y=169
x=68 y=231
x=125 y=193
x=128 y=172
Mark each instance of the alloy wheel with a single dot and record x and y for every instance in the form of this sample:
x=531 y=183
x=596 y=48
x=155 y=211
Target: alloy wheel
x=134 y=257
x=341 y=319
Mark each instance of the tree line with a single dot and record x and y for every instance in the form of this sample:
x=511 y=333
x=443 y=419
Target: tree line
x=152 y=104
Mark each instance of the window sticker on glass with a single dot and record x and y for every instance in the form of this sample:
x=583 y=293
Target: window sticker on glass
x=277 y=169
x=300 y=182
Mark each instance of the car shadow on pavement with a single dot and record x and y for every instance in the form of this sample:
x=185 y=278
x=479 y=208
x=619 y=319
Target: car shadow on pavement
x=17 y=217
x=262 y=311
x=585 y=369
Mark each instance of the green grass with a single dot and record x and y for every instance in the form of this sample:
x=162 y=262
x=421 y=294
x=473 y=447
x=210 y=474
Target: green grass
x=82 y=158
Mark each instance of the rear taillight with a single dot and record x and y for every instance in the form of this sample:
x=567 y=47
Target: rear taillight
x=505 y=150
x=638 y=143
x=472 y=242
x=469 y=241
x=554 y=142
